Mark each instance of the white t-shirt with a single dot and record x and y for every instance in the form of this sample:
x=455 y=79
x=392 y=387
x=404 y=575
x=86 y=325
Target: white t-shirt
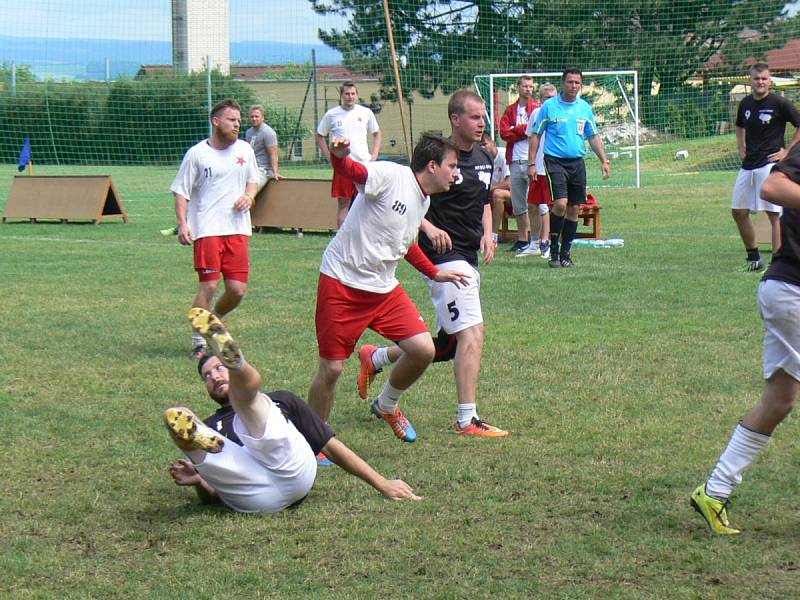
x=520 y=149
x=500 y=171
x=212 y=180
x=382 y=224
x=540 y=170
x=353 y=124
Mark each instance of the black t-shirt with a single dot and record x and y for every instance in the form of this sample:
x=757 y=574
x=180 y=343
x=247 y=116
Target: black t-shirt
x=764 y=122
x=293 y=408
x=459 y=211
x=785 y=264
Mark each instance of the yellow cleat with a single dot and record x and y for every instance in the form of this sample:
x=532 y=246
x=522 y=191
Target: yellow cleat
x=219 y=340
x=714 y=511
x=190 y=433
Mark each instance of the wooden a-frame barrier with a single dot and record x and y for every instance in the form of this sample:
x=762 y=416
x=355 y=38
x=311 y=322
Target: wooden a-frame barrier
x=64 y=198
x=295 y=203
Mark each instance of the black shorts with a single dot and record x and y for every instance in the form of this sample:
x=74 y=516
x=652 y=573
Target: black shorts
x=567 y=178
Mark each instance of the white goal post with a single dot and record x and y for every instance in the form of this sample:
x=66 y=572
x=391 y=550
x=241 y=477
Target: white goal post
x=616 y=91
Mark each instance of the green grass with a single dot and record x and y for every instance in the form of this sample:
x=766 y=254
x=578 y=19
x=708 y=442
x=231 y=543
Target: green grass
x=620 y=380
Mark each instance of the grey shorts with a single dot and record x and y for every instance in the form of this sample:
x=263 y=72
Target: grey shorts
x=519 y=187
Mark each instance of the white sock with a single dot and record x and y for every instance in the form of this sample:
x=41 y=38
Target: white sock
x=380 y=358
x=197 y=340
x=466 y=412
x=742 y=449
x=388 y=399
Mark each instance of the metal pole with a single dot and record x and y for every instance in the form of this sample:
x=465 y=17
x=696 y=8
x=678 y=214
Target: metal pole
x=208 y=94
x=636 y=126
x=400 y=102
x=316 y=101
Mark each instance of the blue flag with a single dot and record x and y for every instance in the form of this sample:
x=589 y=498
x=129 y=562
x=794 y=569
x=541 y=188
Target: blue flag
x=25 y=155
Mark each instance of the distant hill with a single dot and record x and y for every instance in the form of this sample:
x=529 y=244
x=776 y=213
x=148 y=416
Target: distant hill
x=70 y=58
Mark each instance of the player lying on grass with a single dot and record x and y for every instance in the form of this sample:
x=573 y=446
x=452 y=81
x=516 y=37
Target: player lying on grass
x=779 y=304
x=257 y=452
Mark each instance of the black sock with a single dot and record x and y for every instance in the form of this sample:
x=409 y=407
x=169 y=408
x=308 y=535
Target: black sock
x=567 y=235
x=753 y=255
x=556 y=224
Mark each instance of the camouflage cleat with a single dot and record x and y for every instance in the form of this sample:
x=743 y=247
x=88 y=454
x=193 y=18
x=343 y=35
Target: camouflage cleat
x=220 y=342
x=190 y=433
x=714 y=511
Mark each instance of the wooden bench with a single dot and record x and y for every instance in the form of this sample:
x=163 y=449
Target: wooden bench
x=588 y=216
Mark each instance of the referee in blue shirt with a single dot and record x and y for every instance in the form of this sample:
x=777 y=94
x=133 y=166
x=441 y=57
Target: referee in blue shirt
x=567 y=120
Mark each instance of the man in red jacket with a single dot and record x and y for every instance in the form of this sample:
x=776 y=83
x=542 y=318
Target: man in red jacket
x=513 y=125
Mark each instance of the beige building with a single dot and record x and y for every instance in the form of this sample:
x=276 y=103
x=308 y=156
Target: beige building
x=200 y=32
x=296 y=95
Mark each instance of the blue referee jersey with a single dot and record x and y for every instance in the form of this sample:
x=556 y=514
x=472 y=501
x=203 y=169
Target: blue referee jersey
x=567 y=124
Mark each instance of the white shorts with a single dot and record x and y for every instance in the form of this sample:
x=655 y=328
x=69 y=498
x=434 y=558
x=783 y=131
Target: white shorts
x=457 y=308
x=266 y=474
x=747 y=191
x=779 y=304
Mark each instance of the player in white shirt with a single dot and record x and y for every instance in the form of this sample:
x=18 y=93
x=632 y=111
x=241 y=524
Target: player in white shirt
x=357 y=284
x=214 y=190
x=352 y=122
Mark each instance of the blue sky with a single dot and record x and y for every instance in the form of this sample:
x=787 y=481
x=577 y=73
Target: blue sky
x=261 y=20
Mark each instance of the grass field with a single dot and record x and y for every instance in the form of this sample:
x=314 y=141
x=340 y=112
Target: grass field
x=620 y=381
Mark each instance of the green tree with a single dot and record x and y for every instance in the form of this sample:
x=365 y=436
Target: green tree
x=23 y=73
x=444 y=44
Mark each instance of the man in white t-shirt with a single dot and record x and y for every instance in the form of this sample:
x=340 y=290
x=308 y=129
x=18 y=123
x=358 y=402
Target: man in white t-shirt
x=214 y=190
x=350 y=121
x=500 y=186
x=357 y=284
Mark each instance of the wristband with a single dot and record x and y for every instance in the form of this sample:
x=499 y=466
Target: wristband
x=246 y=195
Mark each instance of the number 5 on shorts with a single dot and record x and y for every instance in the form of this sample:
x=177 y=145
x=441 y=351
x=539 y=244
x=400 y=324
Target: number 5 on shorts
x=453 y=310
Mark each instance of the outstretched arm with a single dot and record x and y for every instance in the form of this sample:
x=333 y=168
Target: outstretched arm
x=184 y=473
x=394 y=489
x=343 y=164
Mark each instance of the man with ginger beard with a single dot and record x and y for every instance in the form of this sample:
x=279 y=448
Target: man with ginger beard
x=214 y=190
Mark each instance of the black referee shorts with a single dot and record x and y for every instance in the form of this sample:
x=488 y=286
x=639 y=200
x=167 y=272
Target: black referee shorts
x=567 y=178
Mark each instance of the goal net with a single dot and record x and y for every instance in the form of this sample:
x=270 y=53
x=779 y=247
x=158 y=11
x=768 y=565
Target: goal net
x=614 y=97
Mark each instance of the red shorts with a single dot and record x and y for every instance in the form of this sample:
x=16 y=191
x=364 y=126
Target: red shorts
x=344 y=313
x=342 y=187
x=222 y=255
x=539 y=191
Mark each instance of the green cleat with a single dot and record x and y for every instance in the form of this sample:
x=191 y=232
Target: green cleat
x=220 y=342
x=714 y=511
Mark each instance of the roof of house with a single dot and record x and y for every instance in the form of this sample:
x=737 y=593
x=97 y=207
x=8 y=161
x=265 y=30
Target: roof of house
x=263 y=72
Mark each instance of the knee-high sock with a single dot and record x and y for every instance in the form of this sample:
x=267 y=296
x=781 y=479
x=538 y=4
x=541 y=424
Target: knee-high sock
x=556 y=224
x=567 y=235
x=742 y=450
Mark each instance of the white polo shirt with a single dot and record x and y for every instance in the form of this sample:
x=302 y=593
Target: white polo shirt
x=381 y=226
x=353 y=124
x=539 y=160
x=213 y=180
